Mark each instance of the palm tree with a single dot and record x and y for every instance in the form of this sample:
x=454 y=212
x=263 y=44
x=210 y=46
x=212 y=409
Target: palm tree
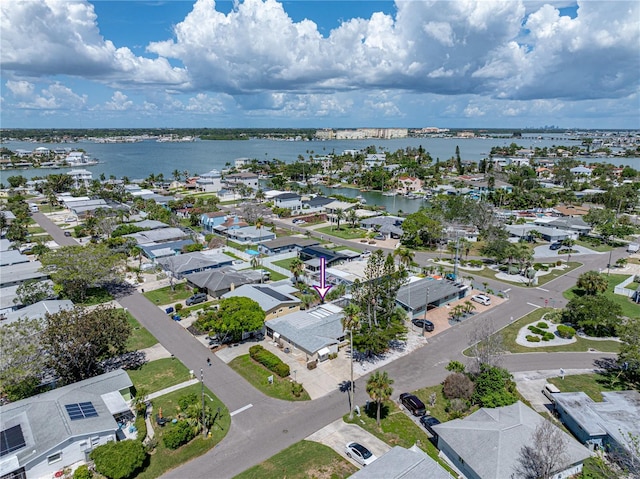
x=379 y=389
x=405 y=256
x=176 y=174
x=592 y=283
x=260 y=195
x=351 y=321
x=259 y=225
x=352 y=218
x=297 y=268
x=339 y=216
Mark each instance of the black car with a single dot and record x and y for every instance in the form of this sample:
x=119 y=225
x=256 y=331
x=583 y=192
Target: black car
x=423 y=323
x=555 y=246
x=413 y=404
x=196 y=298
x=428 y=422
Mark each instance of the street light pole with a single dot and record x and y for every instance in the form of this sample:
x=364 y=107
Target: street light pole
x=610 y=253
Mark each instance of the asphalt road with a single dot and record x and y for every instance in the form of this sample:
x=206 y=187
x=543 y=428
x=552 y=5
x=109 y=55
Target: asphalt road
x=263 y=426
x=54 y=230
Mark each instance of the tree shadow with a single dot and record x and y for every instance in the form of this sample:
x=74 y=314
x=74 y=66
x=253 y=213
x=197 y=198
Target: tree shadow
x=372 y=410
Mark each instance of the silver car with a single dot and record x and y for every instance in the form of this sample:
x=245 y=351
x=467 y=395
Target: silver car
x=359 y=453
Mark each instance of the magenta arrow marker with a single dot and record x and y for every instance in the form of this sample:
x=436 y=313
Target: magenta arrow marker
x=322 y=289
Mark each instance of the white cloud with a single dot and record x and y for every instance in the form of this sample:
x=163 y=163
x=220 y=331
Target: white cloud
x=20 y=88
x=119 y=102
x=56 y=97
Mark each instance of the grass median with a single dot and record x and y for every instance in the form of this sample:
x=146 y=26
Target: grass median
x=258 y=376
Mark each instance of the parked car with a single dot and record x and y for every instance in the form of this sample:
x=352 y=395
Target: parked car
x=380 y=237
x=366 y=253
x=359 y=453
x=196 y=298
x=482 y=299
x=423 y=324
x=67 y=233
x=413 y=404
x=555 y=246
x=428 y=422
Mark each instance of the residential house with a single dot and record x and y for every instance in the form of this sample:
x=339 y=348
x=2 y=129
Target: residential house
x=181 y=265
x=209 y=182
x=275 y=299
x=428 y=292
x=334 y=206
x=317 y=332
x=311 y=257
x=10 y=301
x=47 y=433
x=241 y=162
x=150 y=224
x=576 y=224
x=611 y=423
x=408 y=184
x=211 y=220
x=291 y=201
x=12 y=256
x=581 y=170
x=388 y=226
x=16 y=274
x=37 y=310
x=401 y=463
x=162 y=235
x=571 y=210
x=250 y=234
x=222 y=280
x=237 y=179
x=80 y=177
x=155 y=251
x=286 y=244
x=502 y=432
x=229 y=224
x=316 y=204
x=518 y=232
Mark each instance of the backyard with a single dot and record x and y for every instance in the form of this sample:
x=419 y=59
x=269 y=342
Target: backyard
x=258 y=376
x=304 y=459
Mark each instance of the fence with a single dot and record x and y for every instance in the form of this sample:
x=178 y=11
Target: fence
x=621 y=289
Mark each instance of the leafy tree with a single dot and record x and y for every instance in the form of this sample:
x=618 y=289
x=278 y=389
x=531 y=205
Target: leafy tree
x=77 y=339
x=592 y=283
x=77 y=268
x=458 y=385
x=16 y=181
x=544 y=456
x=596 y=315
x=494 y=387
x=421 y=229
x=119 y=460
x=455 y=366
x=235 y=316
x=20 y=361
x=630 y=348
x=33 y=291
x=379 y=390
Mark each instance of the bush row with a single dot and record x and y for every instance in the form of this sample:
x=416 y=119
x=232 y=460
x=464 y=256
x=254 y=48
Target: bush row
x=269 y=361
x=533 y=339
x=546 y=335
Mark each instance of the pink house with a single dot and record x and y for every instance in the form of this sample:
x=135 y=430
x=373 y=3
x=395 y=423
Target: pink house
x=409 y=184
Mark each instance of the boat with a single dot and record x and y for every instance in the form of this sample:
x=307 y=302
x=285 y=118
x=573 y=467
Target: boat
x=361 y=199
x=389 y=193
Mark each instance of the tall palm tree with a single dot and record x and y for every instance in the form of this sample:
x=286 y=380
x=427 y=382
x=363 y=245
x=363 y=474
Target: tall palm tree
x=297 y=268
x=351 y=321
x=260 y=196
x=405 y=256
x=339 y=216
x=592 y=283
x=259 y=225
x=379 y=389
x=352 y=218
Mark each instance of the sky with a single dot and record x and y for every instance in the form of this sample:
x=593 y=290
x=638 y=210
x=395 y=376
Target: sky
x=320 y=64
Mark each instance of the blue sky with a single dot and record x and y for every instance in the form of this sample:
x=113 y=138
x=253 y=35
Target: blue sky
x=300 y=63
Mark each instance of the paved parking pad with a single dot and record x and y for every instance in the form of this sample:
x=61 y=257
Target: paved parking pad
x=338 y=434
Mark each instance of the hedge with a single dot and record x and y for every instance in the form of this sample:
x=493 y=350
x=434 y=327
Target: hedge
x=533 y=339
x=269 y=361
x=178 y=434
x=566 y=332
x=542 y=325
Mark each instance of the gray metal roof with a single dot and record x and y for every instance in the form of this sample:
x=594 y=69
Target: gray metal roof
x=21 y=272
x=414 y=295
x=221 y=279
x=5 y=244
x=194 y=261
x=311 y=330
x=12 y=256
x=401 y=463
x=490 y=439
x=290 y=241
x=45 y=422
x=158 y=236
x=150 y=224
x=38 y=310
x=267 y=296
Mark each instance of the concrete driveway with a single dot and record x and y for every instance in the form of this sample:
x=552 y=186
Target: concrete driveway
x=338 y=434
x=545 y=252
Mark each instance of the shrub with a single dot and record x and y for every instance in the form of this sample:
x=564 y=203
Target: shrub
x=296 y=389
x=312 y=365
x=333 y=355
x=547 y=336
x=542 y=325
x=457 y=385
x=559 y=263
x=533 y=339
x=554 y=316
x=269 y=360
x=457 y=407
x=119 y=460
x=282 y=370
x=83 y=472
x=565 y=331
x=514 y=270
x=178 y=307
x=179 y=434
x=187 y=400
x=535 y=330
x=476 y=263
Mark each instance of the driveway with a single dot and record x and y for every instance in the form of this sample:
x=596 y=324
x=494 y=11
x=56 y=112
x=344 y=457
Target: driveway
x=338 y=434
x=545 y=252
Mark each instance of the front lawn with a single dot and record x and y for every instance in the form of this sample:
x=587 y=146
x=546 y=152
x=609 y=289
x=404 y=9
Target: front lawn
x=257 y=375
x=345 y=232
x=550 y=276
x=304 y=459
x=159 y=374
x=591 y=384
x=95 y=296
x=628 y=307
x=396 y=429
x=140 y=337
x=168 y=296
x=596 y=245
x=510 y=333
x=164 y=459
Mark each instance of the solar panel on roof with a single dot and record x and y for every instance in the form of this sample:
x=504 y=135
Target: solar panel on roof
x=274 y=294
x=81 y=410
x=11 y=440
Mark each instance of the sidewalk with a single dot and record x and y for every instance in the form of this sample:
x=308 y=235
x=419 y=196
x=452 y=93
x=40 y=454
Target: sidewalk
x=171 y=389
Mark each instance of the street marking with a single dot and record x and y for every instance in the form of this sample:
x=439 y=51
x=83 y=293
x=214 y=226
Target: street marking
x=238 y=411
x=534 y=305
x=542 y=289
x=507 y=290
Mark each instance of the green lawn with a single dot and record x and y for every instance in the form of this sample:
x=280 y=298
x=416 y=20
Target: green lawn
x=591 y=384
x=345 y=232
x=95 y=296
x=489 y=273
x=159 y=374
x=510 y=333
x=34 y=230
x=284 y=263
x=628 y=307
x=164 y=459
x=595 y=246
x=167 y=296
x=257 y=375
x=397 y=429
x=275 y=276
x=140 y=338
x=302 y=460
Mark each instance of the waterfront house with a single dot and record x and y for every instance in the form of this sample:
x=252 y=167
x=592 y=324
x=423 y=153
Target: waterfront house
x=291 y=201
x=237 y=179
x=80 y=177
x=408 y=184
x=209 y=182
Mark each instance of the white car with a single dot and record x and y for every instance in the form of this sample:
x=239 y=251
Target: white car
x=482 y=299
x=359 y=453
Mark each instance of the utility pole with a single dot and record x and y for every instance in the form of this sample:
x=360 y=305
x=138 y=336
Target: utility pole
x=352 y=402
x=204 y=429
x=426 y=307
